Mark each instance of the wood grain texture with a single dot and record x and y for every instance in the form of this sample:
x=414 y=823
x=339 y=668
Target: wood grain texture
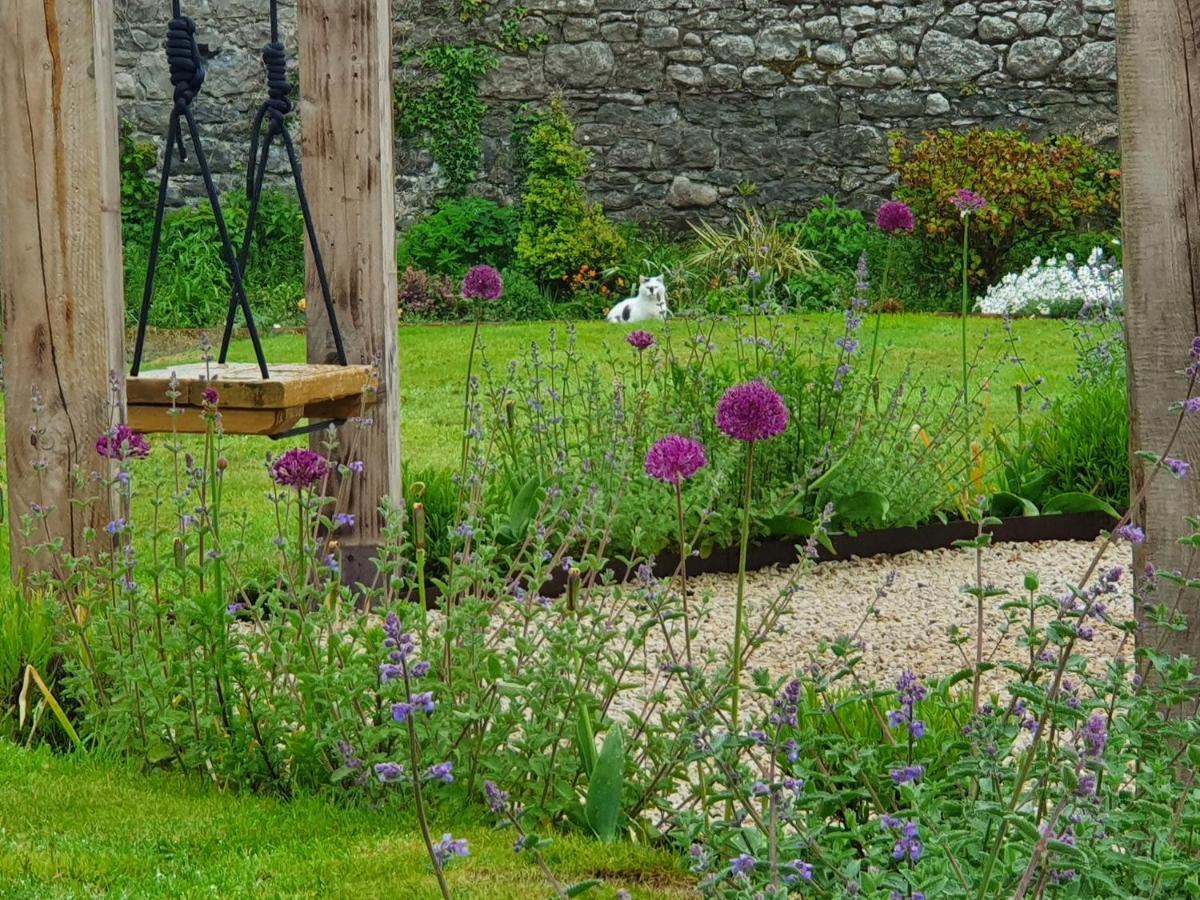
x=60 y=252
x=346 y=109
x=1159 y=97
x=240 y=385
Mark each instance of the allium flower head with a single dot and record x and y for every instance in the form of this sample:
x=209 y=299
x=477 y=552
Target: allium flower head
x=640 y=340
x=122 y=442
x=752 y=411
x=299 y=468
x=894 y=217
x=483 y=283
x=210 y=396
x=967 y=202
x=674 y=459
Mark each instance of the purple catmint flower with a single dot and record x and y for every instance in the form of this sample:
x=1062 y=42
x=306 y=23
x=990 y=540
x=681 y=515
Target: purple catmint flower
x=758 y=736
x=1176 y=467
x=848 y=344
x=234 y=608
x=443 y=772
x=895 y=217
x=122 y=442
x=908 y=846
x=115 y=527
x=804 y=871
x=357 y=467
x=344 y=520
x=785 y=707
x=640 y=340
x=420 y=669
x=389 y=672
x=401 y=712
x=425 y=702
x=967 y=202
x=674 y=459
x=911 y=692
x=482 y=283
x=496 y=798
x=349 y=758
x=908 y=775
x=210 y=397
x=299 y=468
x=1192 y=405
x=1131 y=533
x=759 y=789
x=1093 y=737
x=751 y=412
x=743 y=865
x=448 y=848
x=791 y=749
x=389 y=772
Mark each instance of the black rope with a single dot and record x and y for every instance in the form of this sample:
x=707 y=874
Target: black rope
x=273 y=114
x=187 y=75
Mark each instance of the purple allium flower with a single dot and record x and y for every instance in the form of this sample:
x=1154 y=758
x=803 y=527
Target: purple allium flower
x=674 y=459
x=742 y=866
x=1130 y=533
x=389 y=772
x=299 y=468
x=967 y=202
x=894 y=217
x=448 y=848
x=496 y=798
x=210 y=397
x=640 y=340
x=752 y=411
x=443 y=772
x=122 y=442
x=483 y=283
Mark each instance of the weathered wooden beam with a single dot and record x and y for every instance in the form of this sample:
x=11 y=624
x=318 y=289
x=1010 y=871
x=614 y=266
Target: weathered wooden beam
x=1159 y=91
x=346 y=110
x=60 y=258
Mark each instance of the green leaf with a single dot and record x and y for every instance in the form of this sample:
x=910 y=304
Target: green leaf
x=867 y=507
x=1077 y=502
x=605 y=786
x=788 y=527
x=1005 y=503
x=523 y=508
x=582 y=887
x=585 y=738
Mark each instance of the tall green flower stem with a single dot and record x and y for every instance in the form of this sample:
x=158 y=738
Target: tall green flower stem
x=739 y=625
x=414 y=756
x=684 y=550
x=887 y=277
x=966 y=389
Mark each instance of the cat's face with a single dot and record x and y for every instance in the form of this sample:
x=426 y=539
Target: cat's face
x=653 y=289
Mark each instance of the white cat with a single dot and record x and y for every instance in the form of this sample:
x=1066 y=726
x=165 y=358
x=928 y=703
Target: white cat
x=649 y=304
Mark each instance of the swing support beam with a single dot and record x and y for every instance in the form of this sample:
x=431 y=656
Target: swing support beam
x=61 y=272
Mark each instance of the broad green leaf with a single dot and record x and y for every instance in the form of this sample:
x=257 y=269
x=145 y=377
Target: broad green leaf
x=605 y=787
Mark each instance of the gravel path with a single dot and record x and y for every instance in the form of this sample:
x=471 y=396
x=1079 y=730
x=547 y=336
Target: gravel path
x=909 y=628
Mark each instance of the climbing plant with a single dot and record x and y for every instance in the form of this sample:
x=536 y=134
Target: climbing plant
x=439 y=105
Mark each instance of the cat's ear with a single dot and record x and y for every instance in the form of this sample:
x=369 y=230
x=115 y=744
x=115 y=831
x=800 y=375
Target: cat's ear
x=641 y=279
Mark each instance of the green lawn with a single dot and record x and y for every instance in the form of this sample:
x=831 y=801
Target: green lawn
x=433 y=362
x=76 y=827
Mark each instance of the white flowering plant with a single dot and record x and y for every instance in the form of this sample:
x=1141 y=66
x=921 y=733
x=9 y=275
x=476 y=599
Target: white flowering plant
x=1059 y=287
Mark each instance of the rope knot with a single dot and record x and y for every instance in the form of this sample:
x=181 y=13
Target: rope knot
x=183 y=58
x=279 y=89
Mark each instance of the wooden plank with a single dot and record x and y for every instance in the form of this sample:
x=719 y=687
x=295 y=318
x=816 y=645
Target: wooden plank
x=60 y=257
x=240 y=385
x=346 y=106
x=1159 y=83
x=262 y=422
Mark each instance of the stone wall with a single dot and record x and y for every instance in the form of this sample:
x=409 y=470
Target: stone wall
x=688 y=104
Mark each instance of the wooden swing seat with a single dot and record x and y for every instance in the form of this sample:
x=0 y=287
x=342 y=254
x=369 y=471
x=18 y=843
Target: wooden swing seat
x=248 y=404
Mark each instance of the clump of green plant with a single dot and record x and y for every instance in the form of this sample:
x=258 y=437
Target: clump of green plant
x=513 y=37
x=754 y=247
x=461 y=234
x=139 y=192
x=561 y=231
x=1032 y=186
x=440 y=106
x=837 y=236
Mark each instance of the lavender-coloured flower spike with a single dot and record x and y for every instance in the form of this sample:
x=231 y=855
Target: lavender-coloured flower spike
x=640 y=340
x=751 y=412
x=967 y=202
x=674 y=459
x=299 y=468
x=895 y=217
x=448 y=847
x=483 y=283
x=122 y=442
x=1130 y=533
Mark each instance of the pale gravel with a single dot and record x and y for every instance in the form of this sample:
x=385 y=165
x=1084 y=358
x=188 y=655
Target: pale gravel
x=909 y=627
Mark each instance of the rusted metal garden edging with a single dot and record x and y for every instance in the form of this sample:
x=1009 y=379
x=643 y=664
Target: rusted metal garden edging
x=888 y=541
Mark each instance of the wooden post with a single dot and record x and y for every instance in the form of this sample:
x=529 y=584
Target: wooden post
x=1159 y=83
x=346 y=110
x=60 y=258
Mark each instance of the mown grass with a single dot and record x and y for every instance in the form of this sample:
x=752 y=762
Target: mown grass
x=80 y=827
x=433 y=363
